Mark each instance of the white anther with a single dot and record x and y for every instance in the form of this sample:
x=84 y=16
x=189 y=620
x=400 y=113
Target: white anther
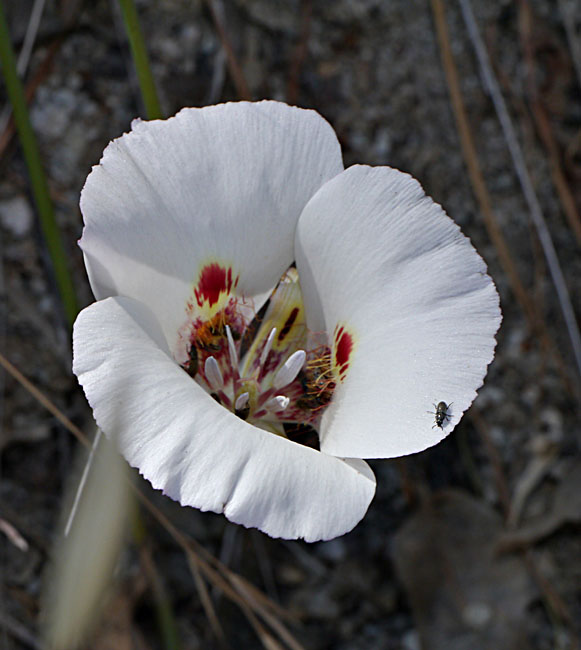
x=288 y=372
x=267 y=347
x=278 y=403
x=241 y=401
x=213 y=373
x=232 y=348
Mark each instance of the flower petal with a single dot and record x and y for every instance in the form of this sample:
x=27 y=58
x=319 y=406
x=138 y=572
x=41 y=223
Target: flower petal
x=218 y=189
x=408 y=303
x=196 y=451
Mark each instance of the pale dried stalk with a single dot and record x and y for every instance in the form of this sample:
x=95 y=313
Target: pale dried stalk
x=524 y=179
x=259 y=602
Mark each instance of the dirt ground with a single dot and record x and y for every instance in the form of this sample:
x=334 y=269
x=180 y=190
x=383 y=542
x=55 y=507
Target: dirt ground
x=472 y=544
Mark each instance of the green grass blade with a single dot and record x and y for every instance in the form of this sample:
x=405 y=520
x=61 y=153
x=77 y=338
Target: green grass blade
x=146 y=83
x=36 y=172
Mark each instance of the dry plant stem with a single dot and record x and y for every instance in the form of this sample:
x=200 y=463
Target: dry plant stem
x=525 y=180
x=233 y=65
x=300 y=52
x=19 y=632
x=82 y=482
x=572 y=39
x=13 y=536
x=481 y=426
x=554 y=600
x=164 y=612
x=230 y=584
x=207 y=603
x=275 y=624
x=543 y=124
x=42 y=399
x=535 y=321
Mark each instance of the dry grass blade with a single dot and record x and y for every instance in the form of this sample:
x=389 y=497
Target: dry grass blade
x=259 y=603
x=567 y=9
x=44 y=401
x=275 y=624
x=543 y=124
x=233 y=65
x=222 y=583
x=495 y=459
x=524 y=179
x=19 y=632
x=300 y=52
x=262 y=599
x=82 y=482
x=536 y=323
x=13 y=536
x=267 y=640
x=206 y=601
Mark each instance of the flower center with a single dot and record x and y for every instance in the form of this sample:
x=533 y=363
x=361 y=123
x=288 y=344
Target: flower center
x=267 y=369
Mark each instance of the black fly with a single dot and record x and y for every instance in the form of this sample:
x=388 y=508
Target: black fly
x=441 y=414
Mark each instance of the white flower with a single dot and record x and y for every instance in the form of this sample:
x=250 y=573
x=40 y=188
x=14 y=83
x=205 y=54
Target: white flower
x=190 y=223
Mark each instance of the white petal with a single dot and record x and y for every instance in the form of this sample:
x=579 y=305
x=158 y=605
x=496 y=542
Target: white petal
x=379 y=258
x=195 y=450
x=221 y=184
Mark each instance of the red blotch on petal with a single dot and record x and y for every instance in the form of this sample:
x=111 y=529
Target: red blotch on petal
x=214 y=280
x=343 y=349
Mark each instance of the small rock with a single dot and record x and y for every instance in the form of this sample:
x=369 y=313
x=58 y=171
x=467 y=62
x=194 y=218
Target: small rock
x=16 y=216
x=476 y=614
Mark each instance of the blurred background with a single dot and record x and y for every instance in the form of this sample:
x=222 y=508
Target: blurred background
x=472 y=544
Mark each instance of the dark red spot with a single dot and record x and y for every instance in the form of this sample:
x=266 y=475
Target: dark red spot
x=289 y=322
x=214 y=280
x=343 y=349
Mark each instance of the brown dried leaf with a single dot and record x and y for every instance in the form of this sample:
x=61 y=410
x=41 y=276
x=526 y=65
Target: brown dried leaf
x=462 y=593
x=566 y=508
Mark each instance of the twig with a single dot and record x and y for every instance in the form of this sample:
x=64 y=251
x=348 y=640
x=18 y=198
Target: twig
x=233 y=65
x=524 y=179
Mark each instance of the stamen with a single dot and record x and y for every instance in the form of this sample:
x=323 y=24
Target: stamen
x=232 y=349
x=288 y=372
x=242 y=406
x=267 y=347
x=241 y=401
x=213 y=373
x=278 y=403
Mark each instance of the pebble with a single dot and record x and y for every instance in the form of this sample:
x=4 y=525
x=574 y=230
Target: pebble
x=16 y=215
